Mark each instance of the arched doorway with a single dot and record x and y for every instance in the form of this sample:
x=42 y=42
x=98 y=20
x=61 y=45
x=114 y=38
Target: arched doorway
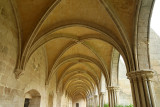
x=32 y=99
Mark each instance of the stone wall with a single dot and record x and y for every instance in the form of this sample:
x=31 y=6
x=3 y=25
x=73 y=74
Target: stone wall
x=154 y=50
x=125 y=96
x=10 y=96
x=82 y=103
x=35 y=75
x=12 y=91
x=105 y=98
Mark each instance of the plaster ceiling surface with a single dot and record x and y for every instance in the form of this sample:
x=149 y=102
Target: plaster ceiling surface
x=126 y=11
x=79 y=49
x=84 y=59
x=79 y=37
x=90 y=12
x=77 y=31
x=102 y=49
x=80 y=68
x=30 y=12
x=54 y=49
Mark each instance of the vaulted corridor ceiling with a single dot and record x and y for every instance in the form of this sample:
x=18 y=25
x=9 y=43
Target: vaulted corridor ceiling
x=72 y=47
x=63 y=50
x=79 y=37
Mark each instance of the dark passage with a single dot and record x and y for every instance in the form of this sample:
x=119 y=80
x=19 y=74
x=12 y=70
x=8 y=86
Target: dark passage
x=26 y=102
x=77 y=104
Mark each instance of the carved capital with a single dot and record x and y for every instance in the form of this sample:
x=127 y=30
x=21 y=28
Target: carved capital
x=18 y=73
x=101 y=93
x=144 y=74
x=115 y=88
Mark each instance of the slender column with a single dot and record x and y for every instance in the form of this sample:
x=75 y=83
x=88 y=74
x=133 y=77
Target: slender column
x=92 y=100
x=117 y=95
x=141 y=86
x=136 y=92
x=133 y=93
x=87 y=102
x=91 y=104
x=113 y=96
x=151 y=92
x=99 y=100
x=95 y=100
x=109 y=98
x=101 y=104
x=58 y=99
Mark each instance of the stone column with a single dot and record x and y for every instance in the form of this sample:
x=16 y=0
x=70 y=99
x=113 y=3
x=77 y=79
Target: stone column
x=58 y=99
x=87 y=102
x=101 y=99
x=70 y=103
x=113 y=96
x=90 y=102
x=142 y=90
x=95 y=100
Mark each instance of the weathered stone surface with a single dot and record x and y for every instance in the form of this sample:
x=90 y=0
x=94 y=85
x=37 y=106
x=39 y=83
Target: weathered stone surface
x=61 y=56
x=155 y=61
x=1 y=90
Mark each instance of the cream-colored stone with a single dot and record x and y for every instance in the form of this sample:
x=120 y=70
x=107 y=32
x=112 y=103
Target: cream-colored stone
x=61 y=52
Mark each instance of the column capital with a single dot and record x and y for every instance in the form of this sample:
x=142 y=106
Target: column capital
x=101 y=93
x=145 y=74
x=112 y=88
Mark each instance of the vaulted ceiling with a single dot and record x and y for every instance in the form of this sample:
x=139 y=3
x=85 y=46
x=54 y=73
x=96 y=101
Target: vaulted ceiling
x=79 y=37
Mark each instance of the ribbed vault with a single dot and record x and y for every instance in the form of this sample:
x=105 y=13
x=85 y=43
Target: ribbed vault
x=79 y=64
x=82 y=40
